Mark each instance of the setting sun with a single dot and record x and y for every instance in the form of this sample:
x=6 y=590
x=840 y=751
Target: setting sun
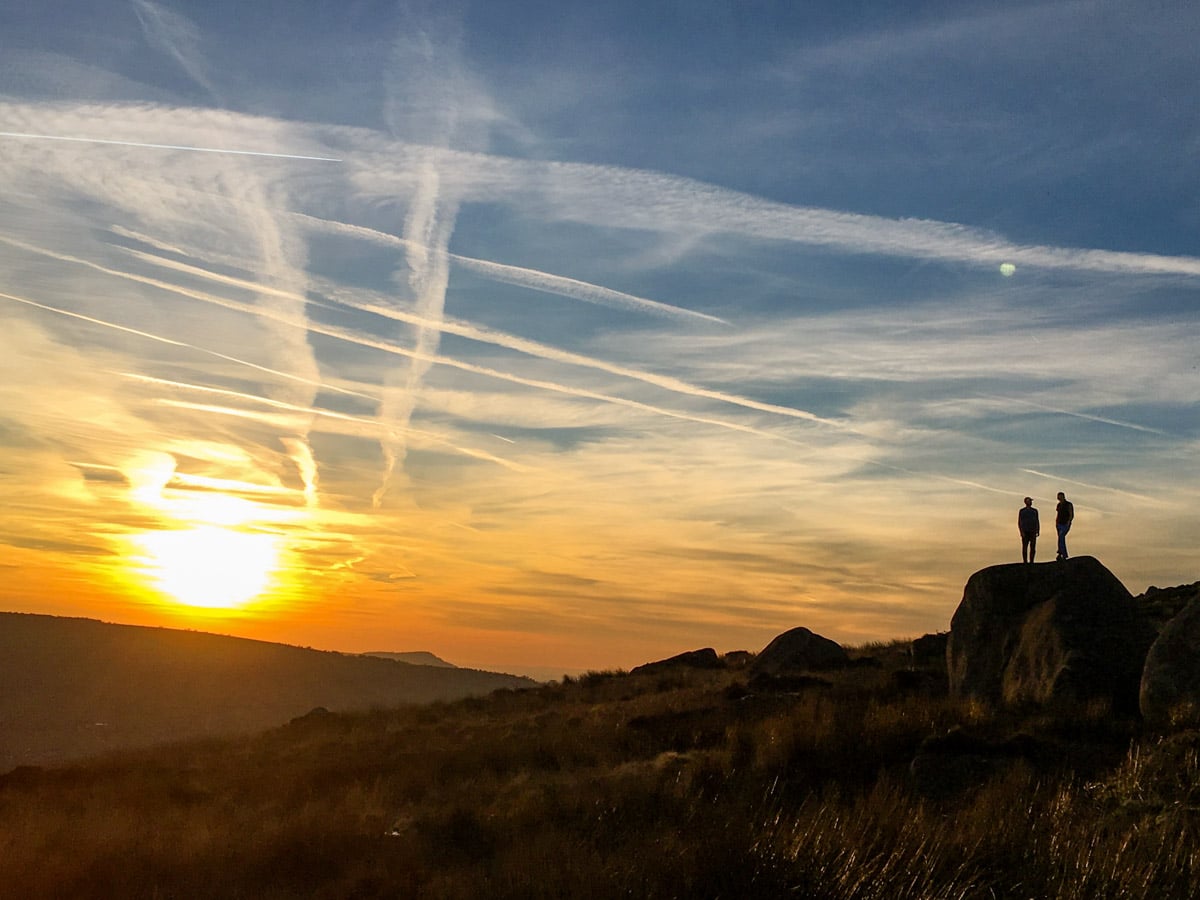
x=208 y=566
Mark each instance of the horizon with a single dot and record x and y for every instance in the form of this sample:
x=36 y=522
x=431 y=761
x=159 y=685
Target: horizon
x=545 y=673
x=554 y=335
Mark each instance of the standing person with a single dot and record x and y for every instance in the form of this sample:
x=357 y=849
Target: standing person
x=1030 y=528
x=1064 y=515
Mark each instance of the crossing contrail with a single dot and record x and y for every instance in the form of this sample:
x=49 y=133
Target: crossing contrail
x=89 y=140
x=174 y=343
x=535 y=279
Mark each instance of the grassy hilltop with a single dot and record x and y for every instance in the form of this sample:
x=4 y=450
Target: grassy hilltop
x=868 y=782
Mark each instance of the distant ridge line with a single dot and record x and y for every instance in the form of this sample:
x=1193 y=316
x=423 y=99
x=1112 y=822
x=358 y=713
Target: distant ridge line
x=72 y=687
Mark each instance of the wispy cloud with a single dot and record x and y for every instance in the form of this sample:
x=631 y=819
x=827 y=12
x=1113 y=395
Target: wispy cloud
x=301 y=324
x=754 y=409
x=367 y=426
x=611 y=197
x=175 y=35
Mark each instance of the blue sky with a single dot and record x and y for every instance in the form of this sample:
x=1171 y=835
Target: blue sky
x=574 y=335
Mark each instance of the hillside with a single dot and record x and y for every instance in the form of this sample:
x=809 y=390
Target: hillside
x=806 y=770
x=70 y=688
x=866 y=783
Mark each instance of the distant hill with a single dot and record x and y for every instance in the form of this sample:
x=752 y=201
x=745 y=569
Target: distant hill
x=71 y=688
x=414 y=657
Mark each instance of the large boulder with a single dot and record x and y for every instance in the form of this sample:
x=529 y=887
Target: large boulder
x=1170 y=689
x=799 y=650
x=1058 y=633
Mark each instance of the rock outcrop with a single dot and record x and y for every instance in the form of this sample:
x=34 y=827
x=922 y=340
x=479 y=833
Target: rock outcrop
x=799 y=650
x=1161 y=605
x=692 y=659
x=1058 y=633
x=1170 y=687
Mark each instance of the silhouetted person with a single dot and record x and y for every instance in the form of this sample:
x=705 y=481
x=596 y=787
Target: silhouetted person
x=1064 y=515
x=1030 y=528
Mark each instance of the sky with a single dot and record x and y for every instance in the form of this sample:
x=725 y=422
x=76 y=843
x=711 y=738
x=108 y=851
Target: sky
x=562 y=336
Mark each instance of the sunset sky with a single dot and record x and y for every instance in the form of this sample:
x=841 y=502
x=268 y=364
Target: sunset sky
x=553 y=336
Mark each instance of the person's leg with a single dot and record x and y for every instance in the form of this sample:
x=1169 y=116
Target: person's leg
x=1062 y=540
x=1032 y=547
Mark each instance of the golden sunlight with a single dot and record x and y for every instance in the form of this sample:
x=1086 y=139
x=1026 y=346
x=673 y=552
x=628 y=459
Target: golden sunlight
x=209 y=566
x=214 y=550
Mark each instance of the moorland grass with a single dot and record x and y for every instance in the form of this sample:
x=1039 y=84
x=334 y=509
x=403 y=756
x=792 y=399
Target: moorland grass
x=678 y=784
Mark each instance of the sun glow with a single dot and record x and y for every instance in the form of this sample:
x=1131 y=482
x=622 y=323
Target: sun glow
x=209 y=566
x=215 y=549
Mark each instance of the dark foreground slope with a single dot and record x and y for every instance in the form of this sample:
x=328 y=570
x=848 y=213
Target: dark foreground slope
x=70 y=688
x=865 y=783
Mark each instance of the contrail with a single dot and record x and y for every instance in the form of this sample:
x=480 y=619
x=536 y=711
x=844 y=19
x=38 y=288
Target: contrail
x=90 y=140
x=387 y=347
x=553 y=354
x=576 y=289
x=426 y=356
x=179 y=37
x=600 y=196
x=283 y=263
x=1078 y=415
x=507 y=341
x=428 y=228
x=368 y=427
x=534 y=279
x=287 y=346
x=1094 y=487
x=430 y=358
x=424 y=87
x=174 y=343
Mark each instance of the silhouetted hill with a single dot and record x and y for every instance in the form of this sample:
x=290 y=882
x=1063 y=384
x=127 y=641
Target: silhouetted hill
x=415 y=657
x=74 y=687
